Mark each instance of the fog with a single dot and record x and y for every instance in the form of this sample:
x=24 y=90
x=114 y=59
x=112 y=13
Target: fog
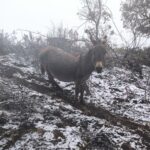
x=42 y=14
x=68 y=83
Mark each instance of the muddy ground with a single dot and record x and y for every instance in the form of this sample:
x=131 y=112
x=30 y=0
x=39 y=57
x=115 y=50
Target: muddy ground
x=36 y=115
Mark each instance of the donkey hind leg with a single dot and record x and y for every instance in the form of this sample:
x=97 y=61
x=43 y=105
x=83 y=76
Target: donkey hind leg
x=53 y=82
x=83 y=87
x=81 y=93
x=42 y=69
x=79 y=89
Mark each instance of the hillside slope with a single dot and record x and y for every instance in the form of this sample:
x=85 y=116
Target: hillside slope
x=35 y=115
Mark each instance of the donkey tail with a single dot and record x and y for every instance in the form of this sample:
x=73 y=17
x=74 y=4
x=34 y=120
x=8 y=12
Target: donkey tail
x=42 y=62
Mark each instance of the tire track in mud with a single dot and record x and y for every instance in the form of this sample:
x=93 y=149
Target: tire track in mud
x=32 y=82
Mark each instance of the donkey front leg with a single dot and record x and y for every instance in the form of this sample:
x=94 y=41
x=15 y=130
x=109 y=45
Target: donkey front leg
x=86 y=88
x=79 y=89
x=53 y=82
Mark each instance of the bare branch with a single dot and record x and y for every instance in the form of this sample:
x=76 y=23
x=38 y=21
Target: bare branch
x=32 y=32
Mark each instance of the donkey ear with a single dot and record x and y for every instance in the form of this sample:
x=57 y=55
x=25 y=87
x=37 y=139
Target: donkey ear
x=104 y=41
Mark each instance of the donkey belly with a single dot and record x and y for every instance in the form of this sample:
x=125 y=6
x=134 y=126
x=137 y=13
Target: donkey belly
x=65 y=78
x=63 y=72
x=60 y=64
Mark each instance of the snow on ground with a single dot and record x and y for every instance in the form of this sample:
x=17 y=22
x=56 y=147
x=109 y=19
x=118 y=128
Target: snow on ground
x=32 y=120
x=118 y=90
x=59 y=125
x=121 y=92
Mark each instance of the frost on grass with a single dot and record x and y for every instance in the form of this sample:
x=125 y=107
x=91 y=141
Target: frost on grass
x=30 y=119
x=118 y=90
x=121 y=92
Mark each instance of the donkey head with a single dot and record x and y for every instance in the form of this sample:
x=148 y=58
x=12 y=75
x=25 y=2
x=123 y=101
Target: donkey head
x=97 y=57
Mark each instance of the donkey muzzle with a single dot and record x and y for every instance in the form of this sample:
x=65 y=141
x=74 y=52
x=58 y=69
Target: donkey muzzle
x=99 y=67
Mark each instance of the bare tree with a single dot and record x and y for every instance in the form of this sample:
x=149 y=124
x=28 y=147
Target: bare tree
x=96 y=16
x=64 y=38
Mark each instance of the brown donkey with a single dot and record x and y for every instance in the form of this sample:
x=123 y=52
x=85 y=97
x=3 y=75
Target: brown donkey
x=66 y=67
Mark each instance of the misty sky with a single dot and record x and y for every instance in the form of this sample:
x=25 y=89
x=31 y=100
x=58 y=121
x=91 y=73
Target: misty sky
x=41 y=15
